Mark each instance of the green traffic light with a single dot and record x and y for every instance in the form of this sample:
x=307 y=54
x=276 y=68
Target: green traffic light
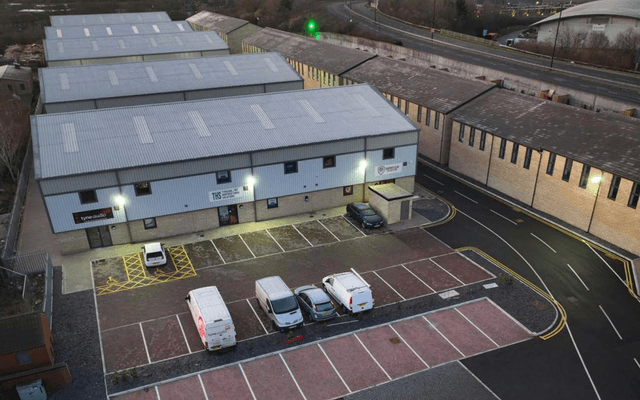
x=311 y=26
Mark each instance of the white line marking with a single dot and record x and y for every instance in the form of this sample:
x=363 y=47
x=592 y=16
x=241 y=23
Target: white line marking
x=335 y=369
x=145 y=344
x=637 y=363
x=245 y=243
x=247 y=380
x=524 y=328
x=218 y=251
x=345 y=218
x=274 y=239
x=438 y=182
x=256 y=314
x=157 y=392
x=292 y=377
x=476 y=326
x=294 y=227
x=468 y=198
x=611 y=322
x=203 y=389
x=401 y=296
x=371 y=355
x=543 y=242
x=320 y=222
x=606 y=263
x=502 y=216
x=407 y=344
x=577 y=276
x=423 y=282
x=439 y=266
x=482 y=383
x=342 y=323
x=443 y=336
x=183 y=334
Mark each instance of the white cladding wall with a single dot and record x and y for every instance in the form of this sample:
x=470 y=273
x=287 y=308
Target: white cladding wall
x=616 y=25
x=403 y=154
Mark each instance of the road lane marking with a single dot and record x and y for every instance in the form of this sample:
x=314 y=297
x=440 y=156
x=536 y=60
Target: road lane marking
x=439 y=266
x=428 y=177
x=335 y=369
x=256 y=314
x=218 y=251
x=482 y=383
x=292 y=377
x=146 y=349
x=247 y=380
x=606 y=263
x=468 y=198
x=423 y=282
x=183 y=334
x=578 y=276
x=372 y=357
x=476 y=326
x=203 y=389
x=543 y=242
x=502 y=216
x=401 y=296
x=245 y=243
x=407 y=344
x=637 y=363
x=345 y=218
x=320 y=222
x=443 y=336
x=611 y=322
x=274 y=239
x=294 y=227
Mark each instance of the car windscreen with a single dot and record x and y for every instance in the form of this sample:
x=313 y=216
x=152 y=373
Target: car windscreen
x=155 y=254
x=285 y=305
x=324 y=306
x=368 y=212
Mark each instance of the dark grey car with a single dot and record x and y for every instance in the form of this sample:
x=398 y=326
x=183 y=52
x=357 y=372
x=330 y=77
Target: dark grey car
x=315 y=302
x=365 y=215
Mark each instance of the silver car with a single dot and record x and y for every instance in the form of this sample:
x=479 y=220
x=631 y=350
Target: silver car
x=315 y=302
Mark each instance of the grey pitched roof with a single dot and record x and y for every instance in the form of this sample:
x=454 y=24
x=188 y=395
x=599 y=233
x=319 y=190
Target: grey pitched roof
x=326 y=56
x=422 y=85
x=117 y=138
x=80 y=49
x=616 y=8
x=94 y=31
x=105 y=19
x=20 y=332
x=62 y=84
x=216 y=22
x=607 y=141
x=15 y=74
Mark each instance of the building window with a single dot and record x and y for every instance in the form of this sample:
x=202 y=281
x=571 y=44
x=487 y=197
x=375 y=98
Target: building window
x=23 y=357
x=329 y=162
x=461 y=134
x=149 y=223
x=142 y=188
x=10 y=88
x=566 y=174
x=347 y=190
x=88 y=196
x=483 y=140
x=406 y=107
x=427 y=117
x=22 y=87
x=527 y=158
x=272 y=203
x=392 y=99
x=584 y=176
x=223 y=177
x=419 y=113
x=436 y=122
x=290 y=167
x=551 y=164
x=472 y=137
x=503 y=146
x=389 y=153
x=514 y=153
x=399 y=100
x=635 y=193
x=613 y=189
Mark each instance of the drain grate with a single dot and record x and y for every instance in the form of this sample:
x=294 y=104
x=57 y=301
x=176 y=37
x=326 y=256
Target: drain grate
x=394 y=340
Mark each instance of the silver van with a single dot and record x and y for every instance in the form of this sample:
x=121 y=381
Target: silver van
x=279 y=303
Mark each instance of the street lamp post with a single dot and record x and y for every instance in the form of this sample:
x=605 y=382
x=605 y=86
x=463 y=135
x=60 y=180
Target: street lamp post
x=556 y=40
x=433 y=20
x=121 y=201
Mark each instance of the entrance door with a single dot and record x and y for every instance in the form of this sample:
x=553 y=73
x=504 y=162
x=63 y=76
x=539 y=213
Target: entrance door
x=99 y=236
x=228 y=215
x=404 y=210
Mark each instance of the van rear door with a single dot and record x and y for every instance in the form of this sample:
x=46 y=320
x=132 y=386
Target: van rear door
x=361 y=300
x=220 y=334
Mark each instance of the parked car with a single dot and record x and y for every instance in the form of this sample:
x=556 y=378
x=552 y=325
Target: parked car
x=279 y=303
x=365 y=215
x=154 y=254
x=351 y=291
x=315 y=302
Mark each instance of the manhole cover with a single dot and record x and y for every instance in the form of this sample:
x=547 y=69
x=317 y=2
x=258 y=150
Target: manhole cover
x=394 y=340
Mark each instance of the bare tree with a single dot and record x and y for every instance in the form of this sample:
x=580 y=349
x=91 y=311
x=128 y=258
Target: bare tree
x=597 y=40
x=628 y=41
x=14 y=130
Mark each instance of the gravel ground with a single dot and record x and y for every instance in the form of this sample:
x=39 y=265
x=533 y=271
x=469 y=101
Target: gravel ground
x=75 y=341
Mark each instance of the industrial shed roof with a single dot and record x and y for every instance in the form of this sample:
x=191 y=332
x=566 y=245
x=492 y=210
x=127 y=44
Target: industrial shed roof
x=21 y=332
x=15 y=74
x=94 y=31
x=616 y=8
x=63 y=84
x=80 y=49
x=216 y=22
x=116 y=138
x=105 y=19
x=421 y=85
x=607 y=141
x=326 y=56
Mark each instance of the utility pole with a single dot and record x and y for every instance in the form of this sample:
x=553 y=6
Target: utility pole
x=555 y=41
x=433 y=21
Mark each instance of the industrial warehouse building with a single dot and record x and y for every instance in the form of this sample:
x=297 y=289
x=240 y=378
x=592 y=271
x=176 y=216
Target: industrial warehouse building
x=109 y=19
x=231 y=30
x=95 y=31
x=66 y=89
x=119 y=175
x=109 y=50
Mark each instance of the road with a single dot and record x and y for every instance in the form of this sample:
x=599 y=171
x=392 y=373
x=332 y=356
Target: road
x=597 y=355
x=615 y=85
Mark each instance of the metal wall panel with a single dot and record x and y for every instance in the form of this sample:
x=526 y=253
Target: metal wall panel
x=69 y=106
x=110 y=60
x=173 y=56
x=62 y=207
x=66 y=63
x=180 y=195
x=271 y=180
x=139 y=100
x=309 y=151
x=224 y=92
x=166 y=171
x=400 y=139
x=77 y=183
x=285 y=86
x=408 y=154
x=213 y=53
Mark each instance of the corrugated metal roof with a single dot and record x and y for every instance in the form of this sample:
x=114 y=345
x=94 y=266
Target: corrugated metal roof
x=15 y=74
x=326 y=56
x=607 y=141
x=94 y=31
x=616 y=8
x=110 y=139
x=216 y=22
x=105 y=19
x=20 y=332
x=131 y=79
x=80 y=49
x=422 y=85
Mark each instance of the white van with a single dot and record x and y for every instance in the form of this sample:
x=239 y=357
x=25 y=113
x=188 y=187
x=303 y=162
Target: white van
x=350 y=290
x=278 y=302
x=212 y=318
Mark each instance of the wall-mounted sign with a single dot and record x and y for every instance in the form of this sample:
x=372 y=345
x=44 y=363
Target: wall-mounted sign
x=388 y=169
x=597 y=27
x=93 y=215
x=227 y=194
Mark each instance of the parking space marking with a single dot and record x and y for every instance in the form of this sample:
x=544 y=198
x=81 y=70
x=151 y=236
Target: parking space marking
x=482 y=383
x=350 y=223
x=609 y=319
x=338 y=373
x=343 y=323
x=440 y=266
x=407 y=344
x=203 y=389
x=218 y=251
x=320 y=222
x=292 y=377
x=396 y=292
x=416 y=276
x=274 y=239
x=300 y=233
x=247 y=380
x=145 y=344
x=578 y=276
x=248 y=248
x=503 y=217
x=157 y=392
x=183 y=334
x=637 y=363
x=445 y=338
x=371 y=355
x=476 y=326
x=256 y=314
x=510 y=317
